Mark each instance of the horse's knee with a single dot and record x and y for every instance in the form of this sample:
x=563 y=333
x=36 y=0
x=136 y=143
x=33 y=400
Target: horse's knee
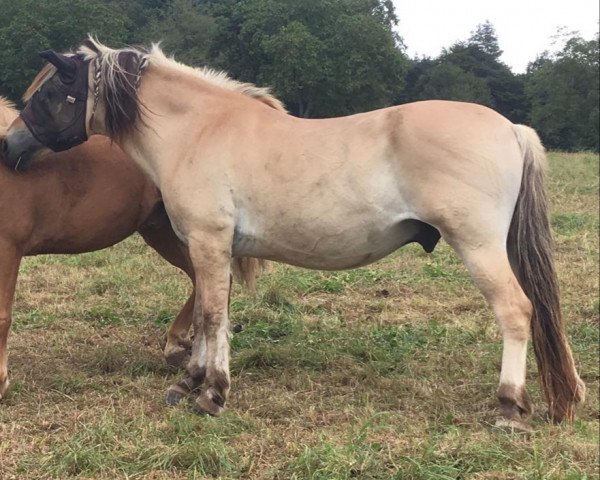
x=5 y=321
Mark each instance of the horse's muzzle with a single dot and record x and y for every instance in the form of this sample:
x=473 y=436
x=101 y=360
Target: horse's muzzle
x=19 y=147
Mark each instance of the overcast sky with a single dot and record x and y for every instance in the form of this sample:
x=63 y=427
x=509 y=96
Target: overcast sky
x=524 y=27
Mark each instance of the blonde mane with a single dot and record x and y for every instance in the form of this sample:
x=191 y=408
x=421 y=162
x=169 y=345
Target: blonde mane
x=8 y=112
x=218 y=78
x=109 y=60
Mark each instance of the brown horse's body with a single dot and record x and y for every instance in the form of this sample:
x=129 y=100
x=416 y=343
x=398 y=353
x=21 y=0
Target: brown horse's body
x=88 y=198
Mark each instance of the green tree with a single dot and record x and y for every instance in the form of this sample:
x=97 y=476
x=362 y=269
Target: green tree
x=368 y=75
x=480 y=56
x=563 y=90
x=446 y=81
x=30 y=26
x=184 y=29
x=323 y=57
x=485 y=39
x=138 y=15
x=296 y=66
x=470 y=71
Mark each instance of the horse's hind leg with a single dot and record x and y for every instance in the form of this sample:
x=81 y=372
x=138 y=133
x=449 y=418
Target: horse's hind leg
x=160 y=236
x=178 y=347
x=9 y=269
x=491 y=271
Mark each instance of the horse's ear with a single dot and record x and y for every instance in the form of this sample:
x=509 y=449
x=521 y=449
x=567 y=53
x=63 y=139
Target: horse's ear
x=64 y=64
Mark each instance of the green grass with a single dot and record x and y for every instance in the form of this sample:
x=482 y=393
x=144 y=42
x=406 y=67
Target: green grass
x=385 y=372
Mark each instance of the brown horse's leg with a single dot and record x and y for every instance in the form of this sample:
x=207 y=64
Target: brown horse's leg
x=9 y=269
x=490 y=269
x=177 y=349
x=162 y=239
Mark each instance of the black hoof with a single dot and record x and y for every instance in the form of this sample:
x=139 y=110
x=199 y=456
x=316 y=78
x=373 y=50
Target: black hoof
x=237 y=328
x=175 y=394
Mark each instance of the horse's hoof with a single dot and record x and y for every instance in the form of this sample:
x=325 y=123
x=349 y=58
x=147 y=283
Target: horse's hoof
x=175 y=394
x=513 y=426
x=206 y=405
x=177 y=357
x=515 y=405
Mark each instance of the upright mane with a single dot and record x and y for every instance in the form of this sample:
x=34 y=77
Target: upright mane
x=8 y=112
x=121 y=71
x=219 y=78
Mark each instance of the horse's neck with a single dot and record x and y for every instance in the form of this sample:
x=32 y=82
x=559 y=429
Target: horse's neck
x=167 y=91
x=170 y=105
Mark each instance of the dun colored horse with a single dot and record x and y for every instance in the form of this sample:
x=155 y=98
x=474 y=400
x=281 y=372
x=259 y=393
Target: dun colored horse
x=238 y=178
x=88 y=198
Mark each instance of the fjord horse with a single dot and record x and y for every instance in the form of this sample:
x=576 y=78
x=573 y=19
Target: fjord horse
x=88 y=198
x=238 y=178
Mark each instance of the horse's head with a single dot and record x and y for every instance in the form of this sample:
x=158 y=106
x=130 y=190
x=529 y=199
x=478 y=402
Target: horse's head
x=55 y=113
x=72 y=97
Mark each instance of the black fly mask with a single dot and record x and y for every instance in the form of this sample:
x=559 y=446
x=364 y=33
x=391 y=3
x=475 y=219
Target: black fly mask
x=66 y=92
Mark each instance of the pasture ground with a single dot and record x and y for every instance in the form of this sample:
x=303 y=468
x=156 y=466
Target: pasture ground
x=387 y=372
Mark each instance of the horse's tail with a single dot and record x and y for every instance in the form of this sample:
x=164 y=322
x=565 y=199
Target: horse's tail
x=247 y=269
x=530 y=248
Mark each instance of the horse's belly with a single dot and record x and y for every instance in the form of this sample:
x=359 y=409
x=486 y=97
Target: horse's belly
x=330 y=249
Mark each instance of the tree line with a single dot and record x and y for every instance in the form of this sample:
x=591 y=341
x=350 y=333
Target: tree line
x=321 y=57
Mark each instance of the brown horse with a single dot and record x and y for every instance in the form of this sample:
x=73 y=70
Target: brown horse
x=88 y=198
x=238 y=178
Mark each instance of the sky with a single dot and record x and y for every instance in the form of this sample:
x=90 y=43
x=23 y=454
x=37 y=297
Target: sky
x=524 y=27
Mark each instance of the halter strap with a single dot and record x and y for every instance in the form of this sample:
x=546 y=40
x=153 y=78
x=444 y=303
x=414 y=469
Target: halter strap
x=142 y=66
x=97 y=78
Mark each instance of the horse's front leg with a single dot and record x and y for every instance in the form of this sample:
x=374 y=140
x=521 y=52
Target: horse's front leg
x=209 y=363
x=10 y=259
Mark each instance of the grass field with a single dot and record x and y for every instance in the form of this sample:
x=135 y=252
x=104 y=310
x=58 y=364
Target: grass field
x=387 y=372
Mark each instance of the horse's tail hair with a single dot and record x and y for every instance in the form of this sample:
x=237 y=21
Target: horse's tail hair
x=247 y=269
x=530 y=248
